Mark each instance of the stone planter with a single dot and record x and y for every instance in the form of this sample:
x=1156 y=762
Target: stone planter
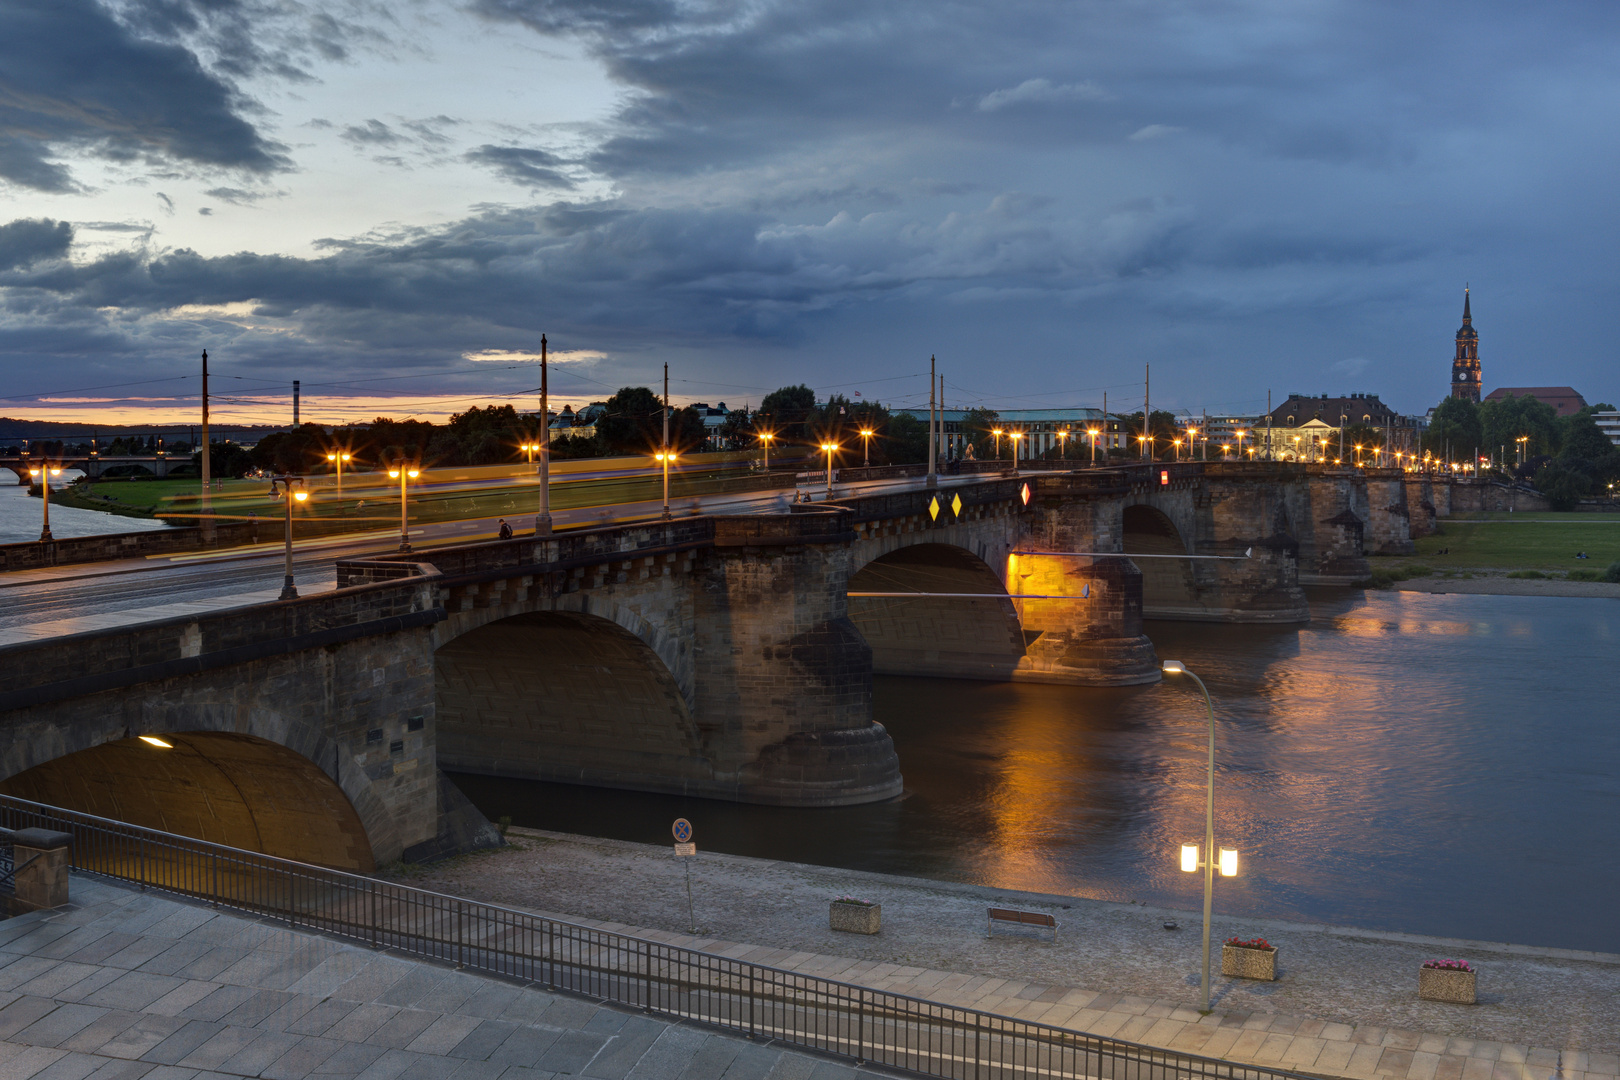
x=855 y=918
x=1446 y=984
x=1249 y=963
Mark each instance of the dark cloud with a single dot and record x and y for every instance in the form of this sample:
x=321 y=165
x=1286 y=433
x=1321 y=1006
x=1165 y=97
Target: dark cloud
x=371 y=133
x=522 y=165
x=25 y=242
x=72 y=77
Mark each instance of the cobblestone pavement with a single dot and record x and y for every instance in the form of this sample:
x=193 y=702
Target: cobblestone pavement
x=124 y=985
x=1345 y=1003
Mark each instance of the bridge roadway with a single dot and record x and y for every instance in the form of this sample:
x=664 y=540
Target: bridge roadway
x=63 y=600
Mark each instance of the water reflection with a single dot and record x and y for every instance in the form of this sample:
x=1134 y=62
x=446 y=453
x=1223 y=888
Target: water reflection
x=1434 y=764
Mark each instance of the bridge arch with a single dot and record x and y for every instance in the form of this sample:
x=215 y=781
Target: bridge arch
x=949 y=636
x=223 y=787
x=567 y=696
x=1168 y=585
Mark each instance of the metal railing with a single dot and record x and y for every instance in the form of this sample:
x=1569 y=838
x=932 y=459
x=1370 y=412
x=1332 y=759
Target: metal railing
x=868 y=1025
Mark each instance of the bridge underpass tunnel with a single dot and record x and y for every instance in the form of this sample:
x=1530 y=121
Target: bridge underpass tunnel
x=229 y=789
x=568 y=697
x=946 y=636
x=1168 y=586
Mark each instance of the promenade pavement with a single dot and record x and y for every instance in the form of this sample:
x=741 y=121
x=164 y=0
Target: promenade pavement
x=1345 y=1006
x=125 y=985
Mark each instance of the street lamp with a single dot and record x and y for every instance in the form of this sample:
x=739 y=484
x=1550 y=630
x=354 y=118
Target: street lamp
x=290 y=495
x=338 y=457
x=997 y=433
x=1192 y=443
x=1190 y=860
x=664 y=457
x=1358 y=455
x=866 y=448
x=43 y=474
x=529 y=448
x=1240 y=435
x=765 y=438
x=404 y=473
x=1177 y=444
x=829 y=447
x=1063 y=444
x=1013 y=437
x=1093 y=432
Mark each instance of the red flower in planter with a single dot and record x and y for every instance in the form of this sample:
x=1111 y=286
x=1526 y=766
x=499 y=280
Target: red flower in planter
x=1255 y=943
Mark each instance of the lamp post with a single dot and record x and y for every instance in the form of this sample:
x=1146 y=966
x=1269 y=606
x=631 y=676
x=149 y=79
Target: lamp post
x=1013 y=437
x=664 y=457
x=1240 y=435
x=1093 y=432
x=338 y=457
x=1190 y=860
x=765 y=438
x=403 y=473
x=1192 y=444
x=829 y=447
x=291 y=495
x=1358 y=455
x=997 y=433
x=43 y=474
x=866 y=448
x=1063 y=444
x=1177 y=444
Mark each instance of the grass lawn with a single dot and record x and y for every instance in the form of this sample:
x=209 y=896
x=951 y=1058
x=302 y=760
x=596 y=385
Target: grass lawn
x=369 y=503
x=1533 y=541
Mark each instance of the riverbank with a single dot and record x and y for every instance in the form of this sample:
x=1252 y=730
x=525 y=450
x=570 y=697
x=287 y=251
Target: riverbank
x=1114 y=969
x=1501 y=585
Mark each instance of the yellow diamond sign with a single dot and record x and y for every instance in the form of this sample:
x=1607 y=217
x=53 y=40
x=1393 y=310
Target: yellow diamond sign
x=1024 y=494
x=933 y=509
x=956 y=505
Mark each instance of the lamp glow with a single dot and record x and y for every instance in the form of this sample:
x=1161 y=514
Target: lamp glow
x=1174 y=667
x=300 y=495
x=1228 y=862
x=153 y=740
x=1189 y=858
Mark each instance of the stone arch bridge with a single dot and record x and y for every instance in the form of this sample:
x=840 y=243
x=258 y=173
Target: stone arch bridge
x=727 y=657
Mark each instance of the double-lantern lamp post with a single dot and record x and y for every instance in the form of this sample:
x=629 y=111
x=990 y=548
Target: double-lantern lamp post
x=829 y=447
x=664 y=457
x=1192 y=859
x=291 y=491
x=765 y=438
x=338 y=457
x=402 y=473
x=866 y=447
x=43 y=474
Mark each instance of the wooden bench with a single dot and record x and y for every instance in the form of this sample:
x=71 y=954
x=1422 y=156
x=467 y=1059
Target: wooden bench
x=1021 y=918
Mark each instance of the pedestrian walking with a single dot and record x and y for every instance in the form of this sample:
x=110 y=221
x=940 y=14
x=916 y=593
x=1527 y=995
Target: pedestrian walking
x=506 y=530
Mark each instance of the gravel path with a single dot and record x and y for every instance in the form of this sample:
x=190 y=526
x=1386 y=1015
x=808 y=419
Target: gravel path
x=1505 y=586
x=1530 y=997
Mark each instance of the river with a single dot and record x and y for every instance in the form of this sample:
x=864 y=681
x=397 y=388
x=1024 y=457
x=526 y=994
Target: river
x=1433 y=764
x=21 y=517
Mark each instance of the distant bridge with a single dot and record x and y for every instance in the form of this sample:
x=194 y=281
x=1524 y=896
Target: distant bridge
x=727 y=657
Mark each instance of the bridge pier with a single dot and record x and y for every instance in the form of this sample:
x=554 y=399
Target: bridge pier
x=1389 y=521
x=1333 y=540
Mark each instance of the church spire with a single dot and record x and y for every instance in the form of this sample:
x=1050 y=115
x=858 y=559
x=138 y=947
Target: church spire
x=1465 y=373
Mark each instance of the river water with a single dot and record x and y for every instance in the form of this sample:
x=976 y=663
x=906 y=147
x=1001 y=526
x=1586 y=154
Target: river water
x=21 y=517
x=1434 y=764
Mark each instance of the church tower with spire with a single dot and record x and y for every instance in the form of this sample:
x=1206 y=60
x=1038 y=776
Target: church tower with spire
x=1465 y=365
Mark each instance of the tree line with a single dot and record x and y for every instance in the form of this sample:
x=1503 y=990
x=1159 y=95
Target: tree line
x=1567 y=458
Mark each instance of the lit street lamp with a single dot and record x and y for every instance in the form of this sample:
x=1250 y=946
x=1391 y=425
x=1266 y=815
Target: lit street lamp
x=1013 y=437
x=1190 y=857
x=403 y=473
x=765 y=438
x=1177 y=444
x=866 y=448
x=997 y=433
x=1240 y=435
x=829 y=447
x=43 y=474
x=1063 y=444
x=338 y=457
x=290 y=495
x=664 y=457
x=1192 y=444
x=1093 y=432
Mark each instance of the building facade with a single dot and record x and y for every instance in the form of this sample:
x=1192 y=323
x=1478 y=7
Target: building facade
x=1465 y=364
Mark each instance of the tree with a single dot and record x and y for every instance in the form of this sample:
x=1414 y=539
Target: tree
x=906 y=440
x=633 y=422
x=978 y=426
x=296 y=452
x=737 y=431
x=1164 y=429
x=486 y=436
x=1457 y=425
x=1504 y=420
x=785 y=411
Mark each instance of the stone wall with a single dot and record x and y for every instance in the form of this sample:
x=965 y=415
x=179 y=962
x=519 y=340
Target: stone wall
x=342 y=679
x=134 y=545
x=1491 y=495
x=1389 y=521
x=1420 y=506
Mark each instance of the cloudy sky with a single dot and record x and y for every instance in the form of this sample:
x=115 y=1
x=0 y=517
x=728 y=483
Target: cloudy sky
x=392 y=201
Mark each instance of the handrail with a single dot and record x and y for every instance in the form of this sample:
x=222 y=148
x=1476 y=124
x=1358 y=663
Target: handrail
x=876 y=1026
